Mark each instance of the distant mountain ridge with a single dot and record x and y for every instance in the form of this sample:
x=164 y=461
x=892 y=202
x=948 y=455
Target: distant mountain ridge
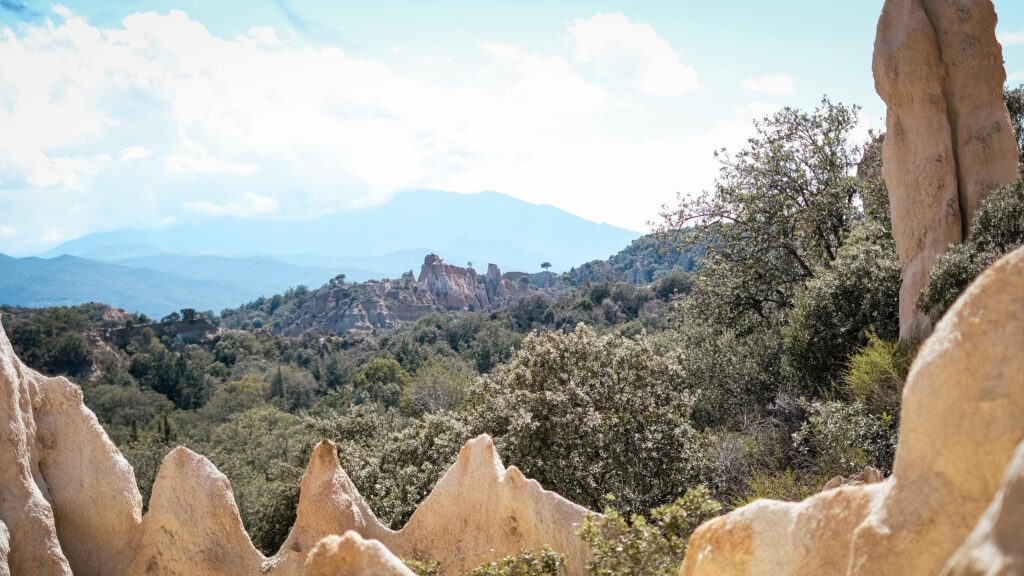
x=483 y=227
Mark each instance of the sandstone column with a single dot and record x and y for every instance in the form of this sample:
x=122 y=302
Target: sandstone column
x=939 y=69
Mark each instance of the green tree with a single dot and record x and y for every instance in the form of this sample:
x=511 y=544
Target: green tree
x=780 y=210
x=381 y=381
x=440 y=384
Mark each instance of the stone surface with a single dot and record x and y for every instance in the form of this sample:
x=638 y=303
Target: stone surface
x=938 y=67
x=996 y=545
x=351 y=555
x=65 y=489
x=962 y=418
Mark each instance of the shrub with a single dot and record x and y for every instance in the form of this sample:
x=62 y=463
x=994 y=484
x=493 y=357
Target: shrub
x=546 y=563
x=588 y=415
x=876 y=373
x=841 y=439
x=646 y=546
x=998 y=228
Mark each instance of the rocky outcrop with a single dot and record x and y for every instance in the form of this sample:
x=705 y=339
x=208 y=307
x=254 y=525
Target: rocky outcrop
x=996 y=546
x=962 y=419
x=455 y=288
x=939 y=68
x=350 y=555
x=339 y=308
x=69 y=504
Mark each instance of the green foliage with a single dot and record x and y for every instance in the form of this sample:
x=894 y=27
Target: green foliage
x=786 y=485
x=440 y=384
x=780 y=209
x=842 y=439
x=1015 y=104
x=588 y=415
x=876 y=374
x=646 y=546
x=381 y=381
x=834 y=311
x=264 y=453
x=53 y=340
x=998 y=228
x=394 y=460
x=546 y=563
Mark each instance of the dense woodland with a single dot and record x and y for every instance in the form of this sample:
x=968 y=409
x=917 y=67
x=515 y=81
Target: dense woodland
x=763 y=365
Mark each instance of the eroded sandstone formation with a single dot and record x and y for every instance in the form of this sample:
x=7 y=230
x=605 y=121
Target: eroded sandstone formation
x=962 y=419
x=996 y=546
x=69 y=504
x=948 y=142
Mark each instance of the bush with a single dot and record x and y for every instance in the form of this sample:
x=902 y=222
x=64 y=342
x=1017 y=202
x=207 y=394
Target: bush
x=876 y=373
x=440 y=384
x=835 y=310
x=546 y=563
x=998 y=228
x=646 y=546
x=842 y=439
x=588 y=415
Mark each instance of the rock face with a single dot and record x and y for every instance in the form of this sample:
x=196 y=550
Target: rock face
x=69 y=504
x=996 y=546
x=338 y=308
x=939 y=69
x=962 y=419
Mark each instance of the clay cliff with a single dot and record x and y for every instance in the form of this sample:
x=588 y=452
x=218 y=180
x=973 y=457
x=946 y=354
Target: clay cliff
x=69 y=504
x=949 y=142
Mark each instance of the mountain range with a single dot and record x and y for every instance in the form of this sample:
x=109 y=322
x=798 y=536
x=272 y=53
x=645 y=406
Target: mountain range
x=214 y=263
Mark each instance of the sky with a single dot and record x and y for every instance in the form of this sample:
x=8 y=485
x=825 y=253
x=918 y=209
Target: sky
x=146 y=113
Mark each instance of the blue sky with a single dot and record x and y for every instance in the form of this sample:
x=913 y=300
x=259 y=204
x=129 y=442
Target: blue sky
x=145 y=113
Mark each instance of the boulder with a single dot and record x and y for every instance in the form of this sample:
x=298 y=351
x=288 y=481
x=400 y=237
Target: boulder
x=996 y=545
x=962 y=418
x=351 y=555
x=949 y=142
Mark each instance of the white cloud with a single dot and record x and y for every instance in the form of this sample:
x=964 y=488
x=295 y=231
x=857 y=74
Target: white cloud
x=779 y=84
x=1011 y=38
x=307 y=129
x=132 y=153
x=1016 y=77
x=6 y=231
x=249 y=205
x=632 y=51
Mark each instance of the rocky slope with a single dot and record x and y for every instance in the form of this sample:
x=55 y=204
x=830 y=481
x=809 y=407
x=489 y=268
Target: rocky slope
x=69 y=504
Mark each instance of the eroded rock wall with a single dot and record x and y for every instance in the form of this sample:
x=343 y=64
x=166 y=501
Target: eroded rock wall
x=949 y=142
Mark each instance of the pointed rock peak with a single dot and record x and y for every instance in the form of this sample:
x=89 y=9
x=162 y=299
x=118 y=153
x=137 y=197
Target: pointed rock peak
x=324 y=459
x=477 y=457
x=351 y=555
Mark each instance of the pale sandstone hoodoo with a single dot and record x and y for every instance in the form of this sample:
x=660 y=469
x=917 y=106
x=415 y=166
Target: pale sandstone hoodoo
x=69 y=504
x=948 y=142
x=996 y=546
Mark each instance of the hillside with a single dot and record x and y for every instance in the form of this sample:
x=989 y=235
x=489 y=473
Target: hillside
x=154 y=285
x=484 y=227
x=338 y=306
x=646 y=259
